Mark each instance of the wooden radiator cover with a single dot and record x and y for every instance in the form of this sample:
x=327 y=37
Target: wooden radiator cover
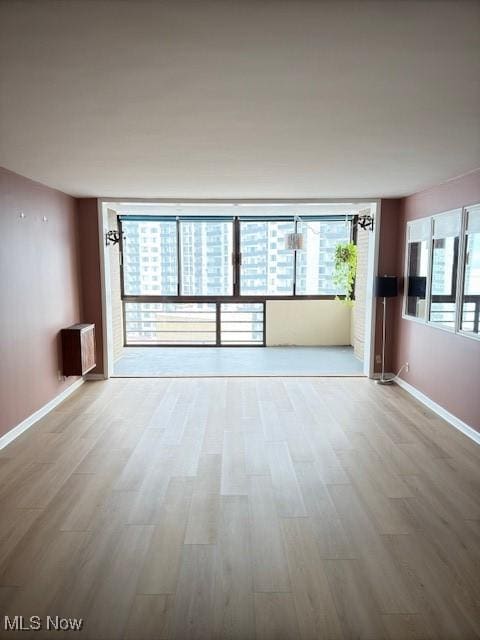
x=78 y=349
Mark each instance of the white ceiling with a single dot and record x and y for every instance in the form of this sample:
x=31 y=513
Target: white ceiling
x=240 y=98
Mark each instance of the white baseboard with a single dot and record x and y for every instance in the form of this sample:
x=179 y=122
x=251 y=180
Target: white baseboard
x=470 y=432
x=11 y=435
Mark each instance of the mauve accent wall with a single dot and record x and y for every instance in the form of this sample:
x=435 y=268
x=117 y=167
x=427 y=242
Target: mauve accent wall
x=91 y=272
x=39 y=293
x=443 y=366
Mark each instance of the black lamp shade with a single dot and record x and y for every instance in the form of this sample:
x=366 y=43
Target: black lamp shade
x=386 y=286
x=417 y=287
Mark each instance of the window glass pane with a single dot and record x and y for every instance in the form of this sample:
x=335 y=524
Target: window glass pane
x=444 y=270
x=267 y=267
x=206 y=258
x=150 y=257
x=470 y=319
x=417 y=267
x=316 y=261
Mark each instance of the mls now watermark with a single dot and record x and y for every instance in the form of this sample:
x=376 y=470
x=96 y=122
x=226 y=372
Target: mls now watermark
x=37 y=623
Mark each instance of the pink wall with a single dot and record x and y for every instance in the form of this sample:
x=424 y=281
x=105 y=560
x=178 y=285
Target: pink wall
x=387 y=265
x=39 y=293
x=90 y=269
x=443 y=366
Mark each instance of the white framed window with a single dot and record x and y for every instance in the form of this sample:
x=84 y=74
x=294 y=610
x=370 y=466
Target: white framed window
x=442 y=310
x=469 y=316
x=416 y=268
x=442 y=271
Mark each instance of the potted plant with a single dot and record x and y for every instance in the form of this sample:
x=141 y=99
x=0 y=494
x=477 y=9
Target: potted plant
x=345 y=268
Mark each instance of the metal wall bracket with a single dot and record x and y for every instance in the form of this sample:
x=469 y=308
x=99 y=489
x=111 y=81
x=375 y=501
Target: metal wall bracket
x=113 y=237
x=365 y=222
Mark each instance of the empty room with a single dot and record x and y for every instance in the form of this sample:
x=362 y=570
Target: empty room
x=240 y=319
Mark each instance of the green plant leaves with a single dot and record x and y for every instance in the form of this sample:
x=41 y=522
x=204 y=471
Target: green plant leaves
x=345 y=268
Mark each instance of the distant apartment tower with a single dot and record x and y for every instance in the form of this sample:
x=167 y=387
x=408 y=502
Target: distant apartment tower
x=205 y=260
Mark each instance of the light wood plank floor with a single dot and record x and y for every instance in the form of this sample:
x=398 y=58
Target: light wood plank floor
x=242 y=508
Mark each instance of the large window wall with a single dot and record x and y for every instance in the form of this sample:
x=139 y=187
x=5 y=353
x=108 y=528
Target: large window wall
x=205 y=281
x=213 y=258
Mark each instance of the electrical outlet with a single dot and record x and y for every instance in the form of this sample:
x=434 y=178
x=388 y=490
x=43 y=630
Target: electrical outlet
x=378 y=359
x=407 y=367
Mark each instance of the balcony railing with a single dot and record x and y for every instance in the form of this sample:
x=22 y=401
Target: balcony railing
x=194 y=323
x=443 y=311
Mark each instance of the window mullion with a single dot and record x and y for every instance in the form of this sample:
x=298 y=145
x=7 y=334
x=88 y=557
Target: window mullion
x=236 y=257
x=428 y=304
x=295 y=230
x=461 y=264
x=179 y=261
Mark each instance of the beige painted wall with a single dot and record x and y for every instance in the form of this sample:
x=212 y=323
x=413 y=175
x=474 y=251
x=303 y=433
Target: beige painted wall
x=308 y=322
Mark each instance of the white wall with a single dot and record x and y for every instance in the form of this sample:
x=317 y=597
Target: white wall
x=359 y=311
x=117 y=308
x=308 y=322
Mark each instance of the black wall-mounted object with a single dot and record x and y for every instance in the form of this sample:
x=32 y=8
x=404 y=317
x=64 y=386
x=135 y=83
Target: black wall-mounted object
x=386 y=286
x=365 y=222
x=113 y=237
x=417 y=287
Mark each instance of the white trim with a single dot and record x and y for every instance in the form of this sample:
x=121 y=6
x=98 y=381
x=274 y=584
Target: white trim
x=468 y=431
x=126 y=200
x=466 y=334
x=406 y=274
x=439 y=325
x=461 y=270
x=102 y=211
x=371 y=300
x=11 y=435
x=412 y=318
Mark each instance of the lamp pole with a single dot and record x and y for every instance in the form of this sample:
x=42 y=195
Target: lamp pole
x=384 y=380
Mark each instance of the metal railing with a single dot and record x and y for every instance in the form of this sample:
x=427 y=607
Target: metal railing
x=194 y=323
x=443 y=311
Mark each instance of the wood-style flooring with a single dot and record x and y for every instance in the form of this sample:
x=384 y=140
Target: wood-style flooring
x=247 y=508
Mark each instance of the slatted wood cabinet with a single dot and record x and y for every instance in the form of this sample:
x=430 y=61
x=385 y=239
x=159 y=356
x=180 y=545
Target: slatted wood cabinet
x=78 y=349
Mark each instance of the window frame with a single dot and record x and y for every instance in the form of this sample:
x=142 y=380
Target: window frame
x=180 y=247
x=266 y=296
x=460 y=276
x=405 y=315
x=438 y=325
x=236 y=295
x=462 y=270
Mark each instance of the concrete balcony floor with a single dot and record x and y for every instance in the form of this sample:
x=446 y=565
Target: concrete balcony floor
x=237 y=361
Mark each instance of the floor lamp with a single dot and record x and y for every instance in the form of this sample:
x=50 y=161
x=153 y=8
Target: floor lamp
x=385 y=287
